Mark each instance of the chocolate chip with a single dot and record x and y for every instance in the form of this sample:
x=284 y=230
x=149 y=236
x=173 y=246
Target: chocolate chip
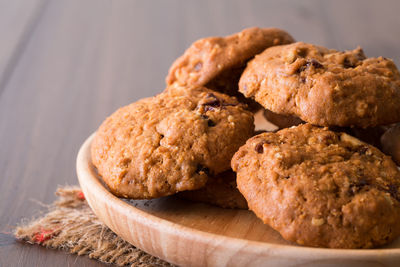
x=204 y=117
x=198 y=66
x=211 y=123
x=303 y=79
x=259 y=148
x=202 y=170
x=287 y=177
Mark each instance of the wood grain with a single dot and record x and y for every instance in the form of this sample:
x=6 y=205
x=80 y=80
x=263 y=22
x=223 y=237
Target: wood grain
x=65 y=65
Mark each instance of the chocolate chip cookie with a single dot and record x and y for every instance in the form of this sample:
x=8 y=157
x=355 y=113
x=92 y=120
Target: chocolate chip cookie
x=218 y=62
x=320 y=188
x=220 y=191
x=171 y=142
x=324 y=86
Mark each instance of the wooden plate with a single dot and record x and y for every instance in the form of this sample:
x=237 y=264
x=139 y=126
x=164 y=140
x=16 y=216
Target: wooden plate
x=191 y=234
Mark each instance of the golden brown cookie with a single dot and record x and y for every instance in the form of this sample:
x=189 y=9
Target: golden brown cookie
x=390 y=142
x=320 y=188
x=323 y=86
x=171 y=142
x=218 y=62
x=220 y=190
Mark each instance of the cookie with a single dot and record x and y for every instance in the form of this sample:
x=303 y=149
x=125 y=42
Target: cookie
x=171 y=142
x=320 y=188
x=390 y=142
x=324 y=86
x=281 y=121
x=220 y=191
x=218 y=62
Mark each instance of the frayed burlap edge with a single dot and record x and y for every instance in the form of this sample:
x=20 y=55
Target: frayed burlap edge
x=71 y=225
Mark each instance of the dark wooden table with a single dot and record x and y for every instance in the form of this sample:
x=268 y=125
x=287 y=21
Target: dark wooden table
x=66 y=65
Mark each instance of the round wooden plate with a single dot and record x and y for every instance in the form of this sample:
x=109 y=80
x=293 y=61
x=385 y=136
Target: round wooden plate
x=192 y=234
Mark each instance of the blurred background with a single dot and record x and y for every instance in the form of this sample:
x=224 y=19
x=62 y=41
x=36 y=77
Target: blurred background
x=66 y=65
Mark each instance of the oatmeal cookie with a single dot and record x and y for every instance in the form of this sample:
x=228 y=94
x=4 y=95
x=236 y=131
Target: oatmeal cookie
x=320 y=188
x=218 y=62
x=171 y=142
x=323 y=86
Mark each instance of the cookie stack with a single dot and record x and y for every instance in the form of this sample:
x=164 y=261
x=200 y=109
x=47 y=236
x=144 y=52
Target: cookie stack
x=314 y=181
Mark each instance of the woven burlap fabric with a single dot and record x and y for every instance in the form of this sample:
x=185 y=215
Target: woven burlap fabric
x=70 y=225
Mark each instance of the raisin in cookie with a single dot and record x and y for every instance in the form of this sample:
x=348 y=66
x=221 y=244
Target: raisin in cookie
x=220 y=191
x=323 y=86
x=218 y=62
x=320 y=188
x=171 y=142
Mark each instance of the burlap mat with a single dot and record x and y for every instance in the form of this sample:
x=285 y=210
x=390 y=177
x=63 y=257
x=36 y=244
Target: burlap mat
x=71 y=225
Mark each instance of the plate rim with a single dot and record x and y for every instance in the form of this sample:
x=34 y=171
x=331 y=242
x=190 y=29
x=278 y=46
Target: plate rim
x=85 y=175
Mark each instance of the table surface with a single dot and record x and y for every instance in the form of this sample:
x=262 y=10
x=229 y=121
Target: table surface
x=66 y=65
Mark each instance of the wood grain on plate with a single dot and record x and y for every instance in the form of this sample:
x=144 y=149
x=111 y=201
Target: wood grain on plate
x=194 y=234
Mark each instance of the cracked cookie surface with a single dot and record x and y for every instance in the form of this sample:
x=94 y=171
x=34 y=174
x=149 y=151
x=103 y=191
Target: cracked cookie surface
x=218 y=62
x=171 y=142
x=320 y=188
x=324 y=86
